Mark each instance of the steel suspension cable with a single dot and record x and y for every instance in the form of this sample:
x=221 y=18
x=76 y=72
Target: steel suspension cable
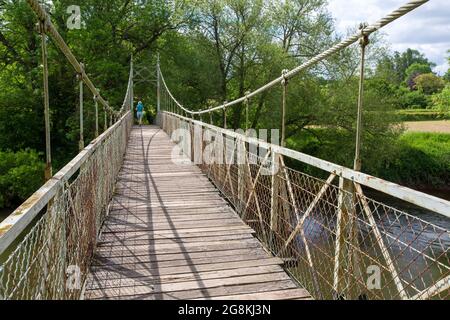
x=50 y=30
x=334 y=49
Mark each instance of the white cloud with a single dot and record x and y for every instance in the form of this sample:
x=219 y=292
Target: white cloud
x=427 y=28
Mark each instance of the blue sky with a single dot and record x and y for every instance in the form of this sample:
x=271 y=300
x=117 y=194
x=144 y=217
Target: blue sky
x=427 y=28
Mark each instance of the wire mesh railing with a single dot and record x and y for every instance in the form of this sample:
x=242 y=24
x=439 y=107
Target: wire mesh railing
x=335 y=241
x=46 y=245
x=51 y=257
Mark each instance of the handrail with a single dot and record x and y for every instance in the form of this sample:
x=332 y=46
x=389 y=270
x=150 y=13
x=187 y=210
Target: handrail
x=19 y=220
x=61 y=44
x=290 y=74
x=418 y=198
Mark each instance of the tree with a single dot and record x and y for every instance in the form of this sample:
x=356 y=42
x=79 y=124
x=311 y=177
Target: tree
x=413 y=72
x=403 y=61
x=441 y=101
x=447 y=75
x=429 y=83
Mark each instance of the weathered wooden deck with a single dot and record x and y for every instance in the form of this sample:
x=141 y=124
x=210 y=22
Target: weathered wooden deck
x=170 y=235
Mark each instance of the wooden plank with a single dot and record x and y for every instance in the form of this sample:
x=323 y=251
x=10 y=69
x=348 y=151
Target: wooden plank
x=142 y=270
x=160 y=258
x=140 y=289
x=145 y=240
x=215 y=291
x=179 y=233
x=287 y=294
x=170 y=235
x=178 y=248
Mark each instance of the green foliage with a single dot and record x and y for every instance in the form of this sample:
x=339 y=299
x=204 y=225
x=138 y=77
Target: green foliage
x=422 y=115
x=407 y=99
x=21 y=174
x=211 y=51
x=395 y=67
x=421 y=159
x=413 y=71
x=441 y=101
x=429 y=83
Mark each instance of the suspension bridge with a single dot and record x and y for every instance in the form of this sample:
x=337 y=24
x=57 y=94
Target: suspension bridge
x=141 y=213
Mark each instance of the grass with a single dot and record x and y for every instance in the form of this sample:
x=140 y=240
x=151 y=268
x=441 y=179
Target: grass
x=415 y=159
x=423 y=159
x=422 y=115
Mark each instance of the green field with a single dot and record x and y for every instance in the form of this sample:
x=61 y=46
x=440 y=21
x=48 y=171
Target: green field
x=423 y=159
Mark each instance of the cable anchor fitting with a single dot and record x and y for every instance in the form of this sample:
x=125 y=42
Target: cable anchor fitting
x=364 y=40
x=285 y=80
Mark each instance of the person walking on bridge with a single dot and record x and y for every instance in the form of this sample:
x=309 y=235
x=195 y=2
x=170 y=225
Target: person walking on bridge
x=140 y=112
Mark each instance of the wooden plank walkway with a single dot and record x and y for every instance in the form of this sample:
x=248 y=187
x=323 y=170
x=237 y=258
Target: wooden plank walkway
x=170 y=235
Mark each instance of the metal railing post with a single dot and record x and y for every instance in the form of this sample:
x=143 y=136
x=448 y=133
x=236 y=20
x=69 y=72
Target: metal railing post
x=158 y=86
x=246 y=102
x=284 y=83
x=341 y=255
x=96 y=116
x=80 y=79
x=106 y=120
x=364 y=41
x=131 y=83
x=48 y=150
x=347 y=243
x=274 y=194
x=225 y=116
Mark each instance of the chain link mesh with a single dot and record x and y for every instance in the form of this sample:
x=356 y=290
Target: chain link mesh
x=335 y=241
x=52 y=260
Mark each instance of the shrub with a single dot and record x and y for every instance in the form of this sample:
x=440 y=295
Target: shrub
x=412 y=99
x=429 y=83
x=21 y=174
x=441 y=101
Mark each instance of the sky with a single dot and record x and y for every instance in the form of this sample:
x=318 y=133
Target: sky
x=426 y=29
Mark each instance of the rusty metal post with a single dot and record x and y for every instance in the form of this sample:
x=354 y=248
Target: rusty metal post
x=247 y=101
x=284 y=83
x=341 y=254
x=48 y=150
x=80 y=79
x=225 y=116
x=347 y=255
x=132 y=83
x=158 y=86
x=364 y=41
x=106 y=120
x=96 y=116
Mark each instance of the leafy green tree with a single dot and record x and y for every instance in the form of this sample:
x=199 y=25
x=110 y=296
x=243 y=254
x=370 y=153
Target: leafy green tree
x=408 y=99
x=403 y=61
x=447 y=75
x=21 y=174
x=413 y=72
x=429 y=83
x=441 y=101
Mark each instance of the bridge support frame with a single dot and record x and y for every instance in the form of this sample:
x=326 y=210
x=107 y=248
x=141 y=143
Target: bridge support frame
x=48 y=150
x=96 y=116
x=364 y=41
x=80 y=80
x=346 y=257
